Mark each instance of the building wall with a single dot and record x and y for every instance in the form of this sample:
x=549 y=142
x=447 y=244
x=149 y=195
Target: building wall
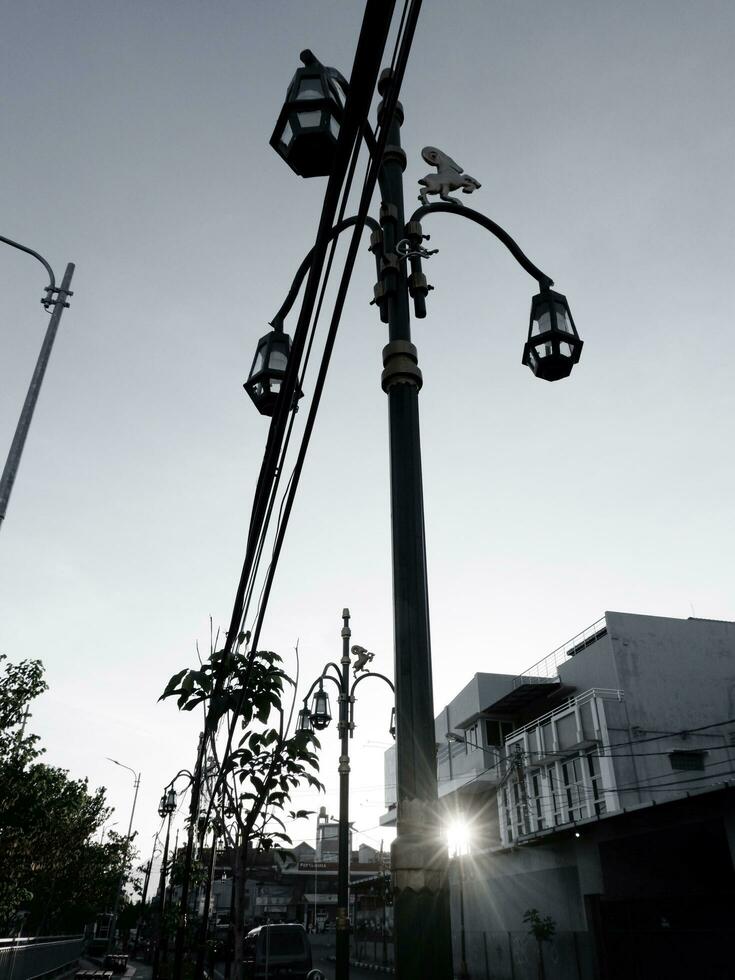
x=675 y=674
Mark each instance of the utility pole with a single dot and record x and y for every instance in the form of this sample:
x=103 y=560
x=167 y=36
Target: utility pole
x=24 y=422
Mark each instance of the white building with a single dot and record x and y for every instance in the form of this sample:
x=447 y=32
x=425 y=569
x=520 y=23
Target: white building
x=599 y=787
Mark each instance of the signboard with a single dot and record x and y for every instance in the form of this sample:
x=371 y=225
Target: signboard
x=318 y=865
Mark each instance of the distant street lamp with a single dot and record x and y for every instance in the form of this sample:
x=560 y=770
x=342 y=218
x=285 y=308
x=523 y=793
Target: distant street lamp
x=56 y=301
x=166 y=809
x=306 y=141
x=318 y=717
x=118 y=892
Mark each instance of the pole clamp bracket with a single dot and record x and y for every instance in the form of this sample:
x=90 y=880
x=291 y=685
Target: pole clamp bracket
x=400 y=365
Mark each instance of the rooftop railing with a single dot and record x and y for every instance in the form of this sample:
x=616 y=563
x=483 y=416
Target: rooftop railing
x=547 y=669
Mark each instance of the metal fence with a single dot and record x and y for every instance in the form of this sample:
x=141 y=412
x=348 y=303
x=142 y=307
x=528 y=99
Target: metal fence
x=515 y=955
x=27 y=959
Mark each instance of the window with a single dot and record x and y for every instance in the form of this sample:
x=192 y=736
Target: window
x=496 y=732
x=473 y=738
x=537 y=802
x=688 y=760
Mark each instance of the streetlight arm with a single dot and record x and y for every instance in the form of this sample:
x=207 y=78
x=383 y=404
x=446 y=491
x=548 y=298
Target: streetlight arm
x=136 y=775
x=369 y=673
x=182 y=772
x=372 y=673
x=500 y=233
x=306 y=265
x=41 y=259
x=324 y=676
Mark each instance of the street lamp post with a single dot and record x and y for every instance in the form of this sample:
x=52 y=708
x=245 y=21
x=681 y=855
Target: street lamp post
x=118 y=892
x=204 y=926
x=553 y=346
x=318 y=717
x=195 y=779
x=146 y=884
x=56 y=301
x=166 y=809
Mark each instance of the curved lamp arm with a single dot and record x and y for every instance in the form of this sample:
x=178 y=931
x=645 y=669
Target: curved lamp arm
x=324 y=676
x=181 y=772
x=500 y=233
x=369 y=673
x=41 y=259
x=136 y=775
x=277 y=321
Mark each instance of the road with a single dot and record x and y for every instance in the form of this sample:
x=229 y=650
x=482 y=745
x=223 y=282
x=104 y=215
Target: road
x=322 y=948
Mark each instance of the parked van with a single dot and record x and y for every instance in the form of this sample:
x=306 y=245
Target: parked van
x=277 y=951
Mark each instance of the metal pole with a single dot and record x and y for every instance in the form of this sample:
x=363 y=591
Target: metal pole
x=186 y=876
x=161 y=903
x=419 y=859
x=463 y=971
x=113 y=924
x=204 y=928
x=146 y=883
x=16 y=447
x=342 y=965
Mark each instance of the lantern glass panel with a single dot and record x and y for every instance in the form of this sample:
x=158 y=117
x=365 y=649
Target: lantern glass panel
x=562 y=318
x=287 y=134
x=278 y=360
x=309 y=120
x=303 y=723
x=320 y=713
x=310 y=88
x=542 y=319
x=334 y=127
x=565 y=349
x=259 y=363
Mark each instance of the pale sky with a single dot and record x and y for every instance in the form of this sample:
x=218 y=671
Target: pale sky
x=135 y=143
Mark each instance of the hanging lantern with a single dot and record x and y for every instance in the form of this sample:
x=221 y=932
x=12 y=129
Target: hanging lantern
x=553 y=344
x=321 y=714
x=171 y=800
x=392 y=726
x=303 y=721
x=308 y=125
x=162 y=811
x=269 y=370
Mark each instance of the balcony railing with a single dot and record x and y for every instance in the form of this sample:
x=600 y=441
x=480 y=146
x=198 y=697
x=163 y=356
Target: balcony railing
x=548 y=667
x=604 y=693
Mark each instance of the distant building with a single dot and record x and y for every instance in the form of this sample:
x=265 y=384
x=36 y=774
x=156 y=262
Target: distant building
x=599 y=786
x=297 y=884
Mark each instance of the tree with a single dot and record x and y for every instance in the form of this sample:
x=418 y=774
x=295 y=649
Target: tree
x=542 y=928
x=249 y=782
x=51 y=866
x=19 y=685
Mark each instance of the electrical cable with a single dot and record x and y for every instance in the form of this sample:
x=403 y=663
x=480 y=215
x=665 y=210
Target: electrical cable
x=373 y=34
x=362 y=85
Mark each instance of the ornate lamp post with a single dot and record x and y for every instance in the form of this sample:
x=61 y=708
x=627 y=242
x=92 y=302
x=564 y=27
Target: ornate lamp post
x=56 y=301
x=166 y=808
x=419 y=859
x=318 y=717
